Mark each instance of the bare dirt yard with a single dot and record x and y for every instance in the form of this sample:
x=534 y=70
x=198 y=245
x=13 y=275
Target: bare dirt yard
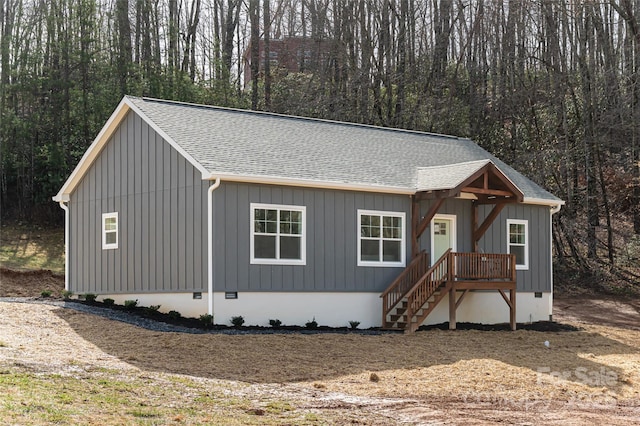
x=58 y=365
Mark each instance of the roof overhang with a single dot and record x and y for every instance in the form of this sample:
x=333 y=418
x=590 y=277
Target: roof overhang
x=104 y=136
x=480 y=180
x=483 y=180
x=92 y=152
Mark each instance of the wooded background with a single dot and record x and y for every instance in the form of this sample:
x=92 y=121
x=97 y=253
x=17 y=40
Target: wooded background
x=551 y=87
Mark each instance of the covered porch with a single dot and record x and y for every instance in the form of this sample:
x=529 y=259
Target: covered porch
x=443 y=271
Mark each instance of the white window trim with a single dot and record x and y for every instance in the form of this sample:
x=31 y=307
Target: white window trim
x=105 y=245
x=303 y=235
x=403 y=241
x=525 y=266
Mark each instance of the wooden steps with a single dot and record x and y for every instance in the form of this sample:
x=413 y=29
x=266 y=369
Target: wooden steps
x=414 y=295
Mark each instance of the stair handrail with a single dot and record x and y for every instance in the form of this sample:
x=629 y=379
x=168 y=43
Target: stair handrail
x=403 y=283
x=419 y=293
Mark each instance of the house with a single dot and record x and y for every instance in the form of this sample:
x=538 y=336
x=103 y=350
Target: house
x=292 y=54
x=202 y=209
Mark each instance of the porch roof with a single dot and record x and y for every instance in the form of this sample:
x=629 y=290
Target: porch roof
x=482 y=178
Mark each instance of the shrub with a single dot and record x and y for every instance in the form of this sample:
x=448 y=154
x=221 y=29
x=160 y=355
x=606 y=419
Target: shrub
x=152 y=310
x=130 y=304
x=237 y=321
x=313 y=324
x=174 y=314
x=354 y=324
x=374 y=378
x=67 y=294
x=108 y=301
x=207 y=320
x=45 y=293
x=90 y=297
x=275 y=323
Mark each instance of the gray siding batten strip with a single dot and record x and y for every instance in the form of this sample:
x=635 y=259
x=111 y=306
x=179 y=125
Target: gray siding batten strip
x=128 y=177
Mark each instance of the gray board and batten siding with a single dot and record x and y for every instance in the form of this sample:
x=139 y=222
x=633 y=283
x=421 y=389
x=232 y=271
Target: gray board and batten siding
x=160 y=199
x=161 y=202
x=331 y=240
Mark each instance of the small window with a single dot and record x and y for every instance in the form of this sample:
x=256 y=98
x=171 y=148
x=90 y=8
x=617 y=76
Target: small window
x=277 y=234
x=518 y=242
x=109 y=231
x=381 y=238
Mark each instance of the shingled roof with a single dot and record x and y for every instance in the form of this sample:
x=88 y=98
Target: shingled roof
x=254 y=146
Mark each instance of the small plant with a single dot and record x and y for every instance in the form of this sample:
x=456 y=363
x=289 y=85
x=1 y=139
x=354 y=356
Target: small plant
x=354 y=324
x=90 y=297
x=313 y=324
x=275 y=323
x=45 y=293
x=174 y=314
x=206 y=320
x=66 y=294
x=374 y=378
x=108 y=301
x=130 y=304
x=152 y=310
x=237 y=321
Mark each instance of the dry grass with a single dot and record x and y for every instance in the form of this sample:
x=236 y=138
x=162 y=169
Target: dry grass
x=424 y=365
x=31 y=247
x=113 y=373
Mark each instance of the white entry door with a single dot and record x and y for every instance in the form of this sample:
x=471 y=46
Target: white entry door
x=443 y=235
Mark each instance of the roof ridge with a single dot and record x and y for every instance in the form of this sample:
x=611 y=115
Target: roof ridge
x=460 y=163
x=300 y=118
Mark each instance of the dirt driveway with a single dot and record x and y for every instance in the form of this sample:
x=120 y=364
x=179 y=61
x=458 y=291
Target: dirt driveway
x=591 y=376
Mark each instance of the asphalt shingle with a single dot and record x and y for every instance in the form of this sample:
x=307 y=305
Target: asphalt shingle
x=249 y=143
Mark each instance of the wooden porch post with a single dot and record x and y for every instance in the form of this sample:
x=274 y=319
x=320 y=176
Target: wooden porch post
x=452 y=309
x=415 y=222
x=512 y=309
x=474 y=226
x=452 y=293
x=478 y=232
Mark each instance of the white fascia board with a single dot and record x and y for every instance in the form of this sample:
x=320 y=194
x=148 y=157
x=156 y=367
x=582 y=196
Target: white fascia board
x=92 y=152
x=171 y=142
x=508 y=178
x=103 y=137
x=543 y=202
x=309 y=183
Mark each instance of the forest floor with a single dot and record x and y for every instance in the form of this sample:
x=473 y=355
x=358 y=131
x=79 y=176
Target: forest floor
x=59 y=365
x=28 y=247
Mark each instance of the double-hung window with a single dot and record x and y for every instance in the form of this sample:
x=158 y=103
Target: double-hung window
x=109 y=231
x=381 y=238
x=277 y=234
x=518 y=241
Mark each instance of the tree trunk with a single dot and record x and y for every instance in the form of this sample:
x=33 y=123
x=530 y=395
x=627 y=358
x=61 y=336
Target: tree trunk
x=124 y=44
x=267 y=54
x=254 y=16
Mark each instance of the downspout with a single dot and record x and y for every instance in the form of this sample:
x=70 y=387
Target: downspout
x=212 y=188
x=66 y=244
x=555 y=209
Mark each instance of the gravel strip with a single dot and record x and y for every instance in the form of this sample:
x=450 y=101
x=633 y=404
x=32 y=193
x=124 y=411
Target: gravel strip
x=154 y=325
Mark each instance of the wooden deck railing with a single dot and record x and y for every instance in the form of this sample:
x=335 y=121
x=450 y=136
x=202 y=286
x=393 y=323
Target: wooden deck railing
x=398 y=289
x=418 y=283
x=428 y=283
x=484 y=266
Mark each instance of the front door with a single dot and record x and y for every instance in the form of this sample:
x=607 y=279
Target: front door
x=443 y=235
